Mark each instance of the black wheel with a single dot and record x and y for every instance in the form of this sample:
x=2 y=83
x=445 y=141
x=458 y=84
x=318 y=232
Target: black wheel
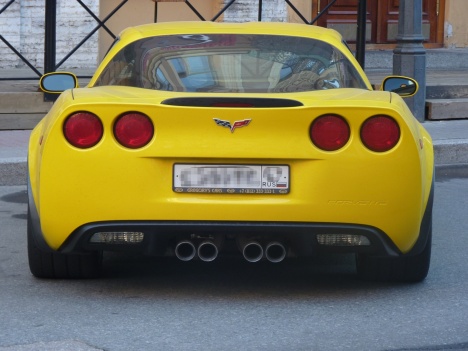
x=44 y=264
x=411 y=268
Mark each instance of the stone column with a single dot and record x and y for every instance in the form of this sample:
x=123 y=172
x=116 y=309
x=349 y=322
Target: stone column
x=409 y=56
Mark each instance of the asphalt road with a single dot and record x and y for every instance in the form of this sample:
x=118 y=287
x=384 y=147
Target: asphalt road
x=149 y=304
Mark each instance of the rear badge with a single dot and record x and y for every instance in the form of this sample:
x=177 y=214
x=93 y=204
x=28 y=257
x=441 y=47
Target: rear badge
x=236 y=124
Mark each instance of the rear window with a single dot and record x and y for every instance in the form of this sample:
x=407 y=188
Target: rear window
x=231 y=63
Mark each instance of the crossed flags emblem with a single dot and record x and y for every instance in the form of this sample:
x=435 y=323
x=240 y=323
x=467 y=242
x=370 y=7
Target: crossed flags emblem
x=232 y=127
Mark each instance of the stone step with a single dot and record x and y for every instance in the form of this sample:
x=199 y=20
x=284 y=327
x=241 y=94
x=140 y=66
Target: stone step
x=444 y=109
x=22 y=110
x=25 y=102
x=449 y=59
x=446 y=92
x=19 y=121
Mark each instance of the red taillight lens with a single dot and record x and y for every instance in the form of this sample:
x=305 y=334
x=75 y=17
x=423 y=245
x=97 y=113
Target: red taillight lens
x=380 y=133
x=329 y=132
x=83 y=129
x=133 y=130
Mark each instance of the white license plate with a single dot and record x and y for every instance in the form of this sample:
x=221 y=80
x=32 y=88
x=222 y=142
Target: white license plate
x=247 y=179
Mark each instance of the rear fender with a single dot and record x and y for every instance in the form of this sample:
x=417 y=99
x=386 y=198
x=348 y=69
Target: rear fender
x=426 y=223
x=34 y=222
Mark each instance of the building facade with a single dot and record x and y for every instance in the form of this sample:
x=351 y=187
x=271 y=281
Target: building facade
x=22 y=23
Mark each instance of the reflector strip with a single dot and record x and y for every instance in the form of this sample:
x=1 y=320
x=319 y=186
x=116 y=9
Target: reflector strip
x=117 y=238
x=343 y=240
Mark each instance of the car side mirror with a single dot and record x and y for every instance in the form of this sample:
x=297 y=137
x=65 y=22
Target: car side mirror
x=57 y=82
x=403 y=86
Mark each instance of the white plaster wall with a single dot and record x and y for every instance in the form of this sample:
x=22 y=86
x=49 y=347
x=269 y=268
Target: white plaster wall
x=10 y=21
x=74 y=23
x=31 y=32
x=22 y=24
x=247 y=11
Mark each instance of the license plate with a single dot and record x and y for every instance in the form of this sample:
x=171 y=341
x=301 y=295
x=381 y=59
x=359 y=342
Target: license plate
x=244 y=179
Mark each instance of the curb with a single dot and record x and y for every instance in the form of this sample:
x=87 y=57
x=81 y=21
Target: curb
x=451 y=152
x=445 y=172
x=13 y=171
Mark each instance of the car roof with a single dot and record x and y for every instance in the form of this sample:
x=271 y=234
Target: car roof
x=207 y=27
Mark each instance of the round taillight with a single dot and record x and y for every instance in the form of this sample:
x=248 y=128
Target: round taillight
x=329 y=132
x=380 y=133
x=83 y=129
x=133 y=130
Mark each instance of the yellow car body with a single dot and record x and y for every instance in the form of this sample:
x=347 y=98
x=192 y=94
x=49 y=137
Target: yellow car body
x=107 y=188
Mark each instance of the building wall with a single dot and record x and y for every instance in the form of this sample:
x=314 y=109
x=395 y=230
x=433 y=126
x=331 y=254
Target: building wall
x=74 y=24
x=247 y=11
x=456 y=25
x=143 y=11
x=10 y=21
x=136 y=12
x=22 y=25
x=306 y=8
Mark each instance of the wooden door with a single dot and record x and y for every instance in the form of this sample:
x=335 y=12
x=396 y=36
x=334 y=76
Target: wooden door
x=342 y=16
x=382 y=20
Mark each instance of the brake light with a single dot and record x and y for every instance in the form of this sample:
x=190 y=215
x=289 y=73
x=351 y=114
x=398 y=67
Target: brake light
x=83 y=129
x=234 y=104
x=380 y=133
x=329 y=132
x=133 y=130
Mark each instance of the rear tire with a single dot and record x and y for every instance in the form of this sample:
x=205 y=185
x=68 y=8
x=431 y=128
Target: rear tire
x=49 y=264
x=411 y=268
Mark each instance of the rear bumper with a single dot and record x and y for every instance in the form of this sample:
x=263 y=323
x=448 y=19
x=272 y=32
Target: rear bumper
x=160 y=237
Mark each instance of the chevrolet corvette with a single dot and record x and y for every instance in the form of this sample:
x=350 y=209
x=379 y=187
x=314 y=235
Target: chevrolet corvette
x=199 y=139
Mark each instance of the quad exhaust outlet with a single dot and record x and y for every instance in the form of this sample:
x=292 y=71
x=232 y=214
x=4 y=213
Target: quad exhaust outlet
x=275 y=252
x=207 y=251
x=185 y=251
x=252 y=251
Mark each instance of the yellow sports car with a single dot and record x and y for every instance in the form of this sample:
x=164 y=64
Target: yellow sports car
x=199 y=139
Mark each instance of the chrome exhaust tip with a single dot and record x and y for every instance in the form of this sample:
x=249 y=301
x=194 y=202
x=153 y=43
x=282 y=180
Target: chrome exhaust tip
x=185 y=250
x=253 y=251
x=275 y=252
x=207 y=251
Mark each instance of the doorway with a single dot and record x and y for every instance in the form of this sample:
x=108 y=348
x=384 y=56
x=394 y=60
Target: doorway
x=382 y=20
